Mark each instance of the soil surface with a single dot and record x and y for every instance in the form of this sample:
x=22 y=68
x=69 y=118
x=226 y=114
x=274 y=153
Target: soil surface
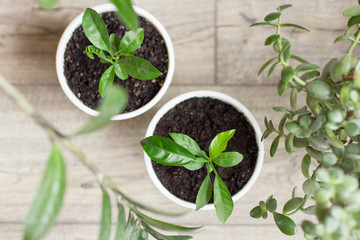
x=83 y=74
x=202 y=119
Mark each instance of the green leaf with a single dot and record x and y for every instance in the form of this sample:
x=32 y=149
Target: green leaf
x=130 y=227
x=340 y=38
x=266 y=64
x=121 y=223
x=353 y=21
x=222 y=200
x=274 y=146
x=299 y=59
x=188 y=143
x=352 y=11
x=285 y=224
x=228 y=159
x=140 y=68
x=132 y=40
x=256 y=212
x=120 y=71
x=295 y=26
x=204 y=194
x=292 y=204
x=91 y=50
x=281 y=87
x=95 y=29
x=263 y=23
x=272 y=68
x=287 y=74
x=271 y=39
x=284 y=54
x=306 y=67
x=160 y=236
x=126 y=13
x=311 y=210
x=314 y=153
x=105 y=224
x=310 y=187
x=280 y=109
x=272 y=16
x=289 y=145
x=283 y=7
x=106 y=80
x=166 y=152
x=139 y=234
x=310 y=75
x=194 y=166
x=320 y=90
x=271 y=205
x=114 y=43
x=219 y=143
x=49 y=198
x=114 y=103
x=47 y=4
x=293 y=99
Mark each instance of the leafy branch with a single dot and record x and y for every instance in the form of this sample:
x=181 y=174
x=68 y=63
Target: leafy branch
x=328 y=128
x=184 y=151
x=49 y=199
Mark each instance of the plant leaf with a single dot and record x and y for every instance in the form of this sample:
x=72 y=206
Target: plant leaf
x=292 y=204
x=160 y=236
x=272 y=68
x=49 y=199
x=256 y=212
x=274 y=146
x=271 y=39
x=204 y=194
x=295 y=26
x=139 y=234
x=340 y=38
x=105 y=224
x=222 y=200
x=352 y=11
x=91 y=50
x=299 y=59
x=194 y=166
x=306 y=67
x=305 y=166
x=140 y=68
x=283 y=7
x=285 y=224
x=126 y=13
x=130 y=227
x=219 y=143
x=95 y=29
x=166 y=152
x=121 y=223
x=188 y=143
x=120 y=71
x=132 y=40
x=293 y=99
x=47 y=4
x=272 y=16
x=114 y=43
x=353 y=21
x=263 y=23
x=106 y=80
x=114 y=103
x=228 y=159
x=266 y=64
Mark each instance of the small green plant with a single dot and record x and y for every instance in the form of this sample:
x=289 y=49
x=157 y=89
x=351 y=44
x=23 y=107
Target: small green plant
x=112 y=50
x=327 y=128
x=184 y=151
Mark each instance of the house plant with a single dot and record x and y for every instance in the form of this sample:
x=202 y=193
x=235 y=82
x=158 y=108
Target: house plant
x=142 y=94
x=202 y=115
x=327 y=127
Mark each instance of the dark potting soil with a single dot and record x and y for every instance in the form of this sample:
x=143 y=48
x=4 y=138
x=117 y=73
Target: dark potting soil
x=83 y=74
x=202 y=119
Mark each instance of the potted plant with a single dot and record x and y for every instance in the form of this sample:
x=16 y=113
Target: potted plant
x=194 y=168
x=327 y=128
x=95 y=51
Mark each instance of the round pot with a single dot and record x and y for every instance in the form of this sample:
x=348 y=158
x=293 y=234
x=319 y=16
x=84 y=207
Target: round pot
x=222 y=97
x=60 y=62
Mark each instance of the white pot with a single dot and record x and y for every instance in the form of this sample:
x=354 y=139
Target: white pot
x=60 y=62
x=222 y=97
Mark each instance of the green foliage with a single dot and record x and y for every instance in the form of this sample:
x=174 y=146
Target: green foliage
x=327 y=127
x=47 y=4
x=110 y=49
x=184 y=151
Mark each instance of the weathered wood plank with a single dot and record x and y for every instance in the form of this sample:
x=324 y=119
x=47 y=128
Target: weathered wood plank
x=240 y=49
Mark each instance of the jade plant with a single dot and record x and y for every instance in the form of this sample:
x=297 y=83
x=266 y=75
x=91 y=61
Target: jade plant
x=49 y=199
x=184 y=151
x=327 y=127
x=118 y=53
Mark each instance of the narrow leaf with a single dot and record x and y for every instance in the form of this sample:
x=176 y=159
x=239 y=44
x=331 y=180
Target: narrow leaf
x=126 y=13
x=299 y=59
x=285 y=224
x=266 y=64
x=306 y=67
x=95 y=29
x=160 y=236
x=283 y=7
x=305 y=166
x=204 y=194
x=338 y=39
x=140 y=68
x=274 y=146
x=228 y=159
x=289 y=144
x=139 y=234
x=114 y=43
x=295 y=26
x=121 y=223
x=219 y=143
x=293 y=99
x=106 y=81
x=132 y=40
x=188 y=143
x=271 y=39
x=352 y=11
x=105 y=224
x=263 y=23
x=91 y=50
x=166 y=152
x=272 y=68
x=49 y=199
x=272 y=16
x=222 y=200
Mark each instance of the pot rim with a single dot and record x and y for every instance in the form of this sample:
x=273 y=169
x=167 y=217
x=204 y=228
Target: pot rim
x=60 y=62
x=222 y=97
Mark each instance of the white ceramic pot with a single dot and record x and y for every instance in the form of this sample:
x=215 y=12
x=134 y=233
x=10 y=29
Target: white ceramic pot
x=215 y=95
x=60 y=62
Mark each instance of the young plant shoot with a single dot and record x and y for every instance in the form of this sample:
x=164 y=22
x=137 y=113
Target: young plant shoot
x=327 y=128
x=184 y=151
x=115 y=51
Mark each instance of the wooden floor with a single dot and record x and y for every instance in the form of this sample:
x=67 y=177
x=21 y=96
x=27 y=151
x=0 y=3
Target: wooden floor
x=214 y=48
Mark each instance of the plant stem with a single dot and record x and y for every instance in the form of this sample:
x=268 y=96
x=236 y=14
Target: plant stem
x=354 y=43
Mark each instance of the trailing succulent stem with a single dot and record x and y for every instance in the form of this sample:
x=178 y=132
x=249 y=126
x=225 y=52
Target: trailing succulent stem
x=328 y=128
x=50 y=196
x=118 y=53
x=184 y=151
